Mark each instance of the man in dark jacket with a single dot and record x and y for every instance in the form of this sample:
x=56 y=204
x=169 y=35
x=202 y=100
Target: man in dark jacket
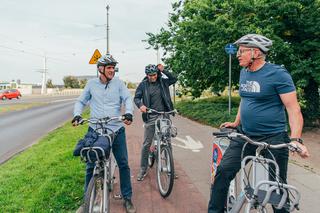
x=152 y=92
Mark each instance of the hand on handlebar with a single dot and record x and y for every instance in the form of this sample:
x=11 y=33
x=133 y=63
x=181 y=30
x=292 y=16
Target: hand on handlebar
x=143 y=108
x=77 y=120
x=302 y=150
x=229 y=124
x=127 y=118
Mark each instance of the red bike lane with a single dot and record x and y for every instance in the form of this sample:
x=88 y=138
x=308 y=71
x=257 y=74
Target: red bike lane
x=184 y=198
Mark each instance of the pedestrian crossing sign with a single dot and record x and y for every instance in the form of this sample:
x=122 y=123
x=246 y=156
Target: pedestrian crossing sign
x=96 y=55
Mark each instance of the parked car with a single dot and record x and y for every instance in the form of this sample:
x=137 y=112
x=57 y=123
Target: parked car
x=9 y=94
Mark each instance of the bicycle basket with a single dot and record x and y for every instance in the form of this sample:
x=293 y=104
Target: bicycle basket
x=93 y=148
x=164 y=125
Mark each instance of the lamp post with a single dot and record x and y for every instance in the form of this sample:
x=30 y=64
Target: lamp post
x=108 y=50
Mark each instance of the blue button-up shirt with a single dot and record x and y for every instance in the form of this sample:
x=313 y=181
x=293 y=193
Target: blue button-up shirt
x=105 y=100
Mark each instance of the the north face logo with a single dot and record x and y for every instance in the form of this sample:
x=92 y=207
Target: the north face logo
x=250 y=86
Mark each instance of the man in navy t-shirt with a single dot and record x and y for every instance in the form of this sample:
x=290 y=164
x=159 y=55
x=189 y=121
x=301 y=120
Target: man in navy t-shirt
x=266 y=91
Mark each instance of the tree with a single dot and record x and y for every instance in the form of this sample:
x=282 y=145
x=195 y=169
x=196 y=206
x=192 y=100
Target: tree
x=82 y=83
x=50 y=84
x=71 y=82
x=131 y=85
x=198 y=30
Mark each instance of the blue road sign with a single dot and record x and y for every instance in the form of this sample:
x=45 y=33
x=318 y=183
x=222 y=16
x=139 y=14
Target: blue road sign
x=230 y=49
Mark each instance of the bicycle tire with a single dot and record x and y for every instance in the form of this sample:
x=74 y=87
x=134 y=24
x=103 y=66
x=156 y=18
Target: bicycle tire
x=166 y=170
x=94 y=196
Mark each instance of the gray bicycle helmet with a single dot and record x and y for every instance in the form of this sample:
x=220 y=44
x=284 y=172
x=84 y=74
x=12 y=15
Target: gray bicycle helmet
x=255 y=40
x=151 y=69
x=106 y=60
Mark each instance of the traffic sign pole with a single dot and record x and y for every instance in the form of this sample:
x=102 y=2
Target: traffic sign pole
x=230 y=49
x=229 y=84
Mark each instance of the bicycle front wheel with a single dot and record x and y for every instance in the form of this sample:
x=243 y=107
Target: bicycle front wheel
x=165 y=171
x=94 y=196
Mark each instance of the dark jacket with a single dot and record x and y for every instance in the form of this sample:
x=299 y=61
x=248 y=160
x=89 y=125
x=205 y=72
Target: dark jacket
x=142 y=96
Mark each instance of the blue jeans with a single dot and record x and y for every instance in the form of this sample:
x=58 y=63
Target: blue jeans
x=119 y=149
x=231 y=163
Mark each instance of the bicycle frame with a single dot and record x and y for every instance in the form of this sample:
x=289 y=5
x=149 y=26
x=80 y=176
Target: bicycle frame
x=162 y=124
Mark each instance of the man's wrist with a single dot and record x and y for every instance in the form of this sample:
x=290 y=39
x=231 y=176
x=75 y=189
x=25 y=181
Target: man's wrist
x=299 y=140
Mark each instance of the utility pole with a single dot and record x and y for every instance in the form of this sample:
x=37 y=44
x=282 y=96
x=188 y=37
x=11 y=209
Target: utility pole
x=44 y=77
x=108 y=48
x=158 y=56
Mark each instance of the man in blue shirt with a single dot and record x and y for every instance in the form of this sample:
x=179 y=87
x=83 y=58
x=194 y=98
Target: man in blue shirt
x=266 y=90
x=106 y=95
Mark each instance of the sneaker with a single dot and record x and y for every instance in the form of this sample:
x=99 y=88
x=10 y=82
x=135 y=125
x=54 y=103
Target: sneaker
x=129 y=206
x=80 y=209
x=141 y=175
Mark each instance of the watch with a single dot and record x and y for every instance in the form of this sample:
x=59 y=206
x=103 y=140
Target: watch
x=299 y=140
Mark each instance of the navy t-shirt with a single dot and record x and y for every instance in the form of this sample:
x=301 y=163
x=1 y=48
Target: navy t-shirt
x=261 y=109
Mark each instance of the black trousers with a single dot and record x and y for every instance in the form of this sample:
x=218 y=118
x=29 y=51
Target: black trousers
x=231 y=164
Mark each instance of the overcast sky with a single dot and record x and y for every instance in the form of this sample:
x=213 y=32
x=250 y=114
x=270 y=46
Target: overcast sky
x=68 y=32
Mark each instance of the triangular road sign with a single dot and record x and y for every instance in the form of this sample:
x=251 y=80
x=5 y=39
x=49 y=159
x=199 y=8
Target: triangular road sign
x=96 y=55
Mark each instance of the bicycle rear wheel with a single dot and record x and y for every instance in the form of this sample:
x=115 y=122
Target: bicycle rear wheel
x=94 y=196
x=165 y=171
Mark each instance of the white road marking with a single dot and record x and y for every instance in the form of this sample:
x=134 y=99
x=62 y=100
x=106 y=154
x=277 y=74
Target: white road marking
x=70 y=99
x=188 y=143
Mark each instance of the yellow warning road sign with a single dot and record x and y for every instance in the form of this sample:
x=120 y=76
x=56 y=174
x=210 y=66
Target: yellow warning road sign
x=96 y=55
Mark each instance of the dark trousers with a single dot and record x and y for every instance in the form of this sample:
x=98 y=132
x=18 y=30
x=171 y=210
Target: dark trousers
x=119 y=149
x=231 y=164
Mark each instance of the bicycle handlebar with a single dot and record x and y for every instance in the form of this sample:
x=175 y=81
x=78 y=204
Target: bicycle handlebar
x=264 y=145
x=149 y=110
x=101 y=120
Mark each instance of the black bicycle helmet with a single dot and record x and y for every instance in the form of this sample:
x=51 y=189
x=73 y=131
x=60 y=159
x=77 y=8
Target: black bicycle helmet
x=106 y=60
x=255 y=40
x=151 y=69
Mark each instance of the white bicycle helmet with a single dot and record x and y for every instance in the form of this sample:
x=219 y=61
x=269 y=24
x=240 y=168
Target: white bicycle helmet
x=255 y=40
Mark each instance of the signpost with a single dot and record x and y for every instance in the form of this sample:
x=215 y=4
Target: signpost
x=96 y=55
x=230 y=50
x=94 y=59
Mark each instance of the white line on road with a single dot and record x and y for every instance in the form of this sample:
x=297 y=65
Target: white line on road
x=70 y=99
x=188 y=143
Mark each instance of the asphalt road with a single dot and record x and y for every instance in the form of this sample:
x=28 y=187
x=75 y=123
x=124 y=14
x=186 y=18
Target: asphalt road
x=20 y=129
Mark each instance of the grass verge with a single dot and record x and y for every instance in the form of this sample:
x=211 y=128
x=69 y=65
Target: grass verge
x=211 y=111
x=45 y=177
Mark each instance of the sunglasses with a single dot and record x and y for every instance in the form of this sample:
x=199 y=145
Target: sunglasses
x=151 y=75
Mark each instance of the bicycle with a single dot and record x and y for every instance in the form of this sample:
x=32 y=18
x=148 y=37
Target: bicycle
x=257 y=190
x=162 y=154
x=97 y=197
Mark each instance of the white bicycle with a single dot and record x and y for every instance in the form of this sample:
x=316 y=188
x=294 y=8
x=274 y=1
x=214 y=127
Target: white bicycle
x=164 y=131
x=97 y=197
x=257 y=190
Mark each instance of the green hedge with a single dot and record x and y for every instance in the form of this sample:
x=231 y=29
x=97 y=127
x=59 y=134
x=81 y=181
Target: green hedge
x=212 y=111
